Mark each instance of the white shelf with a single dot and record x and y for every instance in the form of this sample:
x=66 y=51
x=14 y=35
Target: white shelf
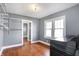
x=3 y=23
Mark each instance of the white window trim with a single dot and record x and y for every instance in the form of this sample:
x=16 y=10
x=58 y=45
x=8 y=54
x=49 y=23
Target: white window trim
x=45 y=29
x=53 y=19
x=61 y=17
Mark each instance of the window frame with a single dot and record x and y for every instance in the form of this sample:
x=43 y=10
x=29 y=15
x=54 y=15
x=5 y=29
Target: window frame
x=64 y=21
x=47 y=29
x=53 y=27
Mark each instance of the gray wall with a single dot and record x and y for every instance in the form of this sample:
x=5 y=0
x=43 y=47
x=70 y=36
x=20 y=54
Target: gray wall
x=1 y=38
x=72 y=21
x=1 y=31
x=13 y=37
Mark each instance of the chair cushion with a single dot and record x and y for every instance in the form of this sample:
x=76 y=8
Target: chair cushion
x=70 y=48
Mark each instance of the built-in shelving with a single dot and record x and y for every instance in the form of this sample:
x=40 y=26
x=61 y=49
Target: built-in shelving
x=3 y=22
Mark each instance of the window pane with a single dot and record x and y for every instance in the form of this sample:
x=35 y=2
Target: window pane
x=48 y=33
x=49 y=25
x=58 y=33
x=59 y=23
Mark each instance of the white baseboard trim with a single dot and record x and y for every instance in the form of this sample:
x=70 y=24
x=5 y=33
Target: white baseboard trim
x=44 y=42
x=41 y=42
x=1 y=52
x=5 y=47
x=35 y=41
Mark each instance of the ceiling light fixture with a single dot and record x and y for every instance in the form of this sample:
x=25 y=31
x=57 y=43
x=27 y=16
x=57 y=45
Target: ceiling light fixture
x=35 y=7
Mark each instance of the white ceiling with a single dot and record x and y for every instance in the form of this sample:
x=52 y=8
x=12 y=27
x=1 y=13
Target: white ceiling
x=44 y=9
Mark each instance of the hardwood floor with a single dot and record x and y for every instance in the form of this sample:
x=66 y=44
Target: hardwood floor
x=28 y=49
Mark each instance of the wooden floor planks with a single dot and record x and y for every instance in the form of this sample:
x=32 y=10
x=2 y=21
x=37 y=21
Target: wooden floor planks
x=28 y=49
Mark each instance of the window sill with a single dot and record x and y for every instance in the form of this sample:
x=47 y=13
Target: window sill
x=47 y=37
x=59 y=39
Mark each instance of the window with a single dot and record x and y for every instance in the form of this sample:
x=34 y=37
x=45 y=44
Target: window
x=55 y=28
x=48 y=29
x=59 y=28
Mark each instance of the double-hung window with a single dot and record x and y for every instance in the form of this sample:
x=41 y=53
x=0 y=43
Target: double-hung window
x=59 y=28
x=55 y=28
x=48 y=29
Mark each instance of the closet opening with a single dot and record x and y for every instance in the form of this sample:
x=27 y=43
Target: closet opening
x=26 y=31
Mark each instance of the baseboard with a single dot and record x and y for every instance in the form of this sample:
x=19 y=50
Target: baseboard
x=11 y=46
x=35 y=41
x=5 y=47
x=44 y=42
x=41 y=42
x=1 y=52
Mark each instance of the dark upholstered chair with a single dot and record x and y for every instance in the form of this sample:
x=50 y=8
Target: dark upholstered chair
x=59 y=48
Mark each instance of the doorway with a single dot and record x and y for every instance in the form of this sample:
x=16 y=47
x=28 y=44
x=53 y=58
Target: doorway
x=26 y=30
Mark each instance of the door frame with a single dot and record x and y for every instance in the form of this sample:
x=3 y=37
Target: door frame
x=26 y=21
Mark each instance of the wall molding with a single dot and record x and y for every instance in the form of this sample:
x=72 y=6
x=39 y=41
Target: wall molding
x=41 y=42
x=35 y=41
x=1 y=52
x=44 y=42
x=11 y=46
